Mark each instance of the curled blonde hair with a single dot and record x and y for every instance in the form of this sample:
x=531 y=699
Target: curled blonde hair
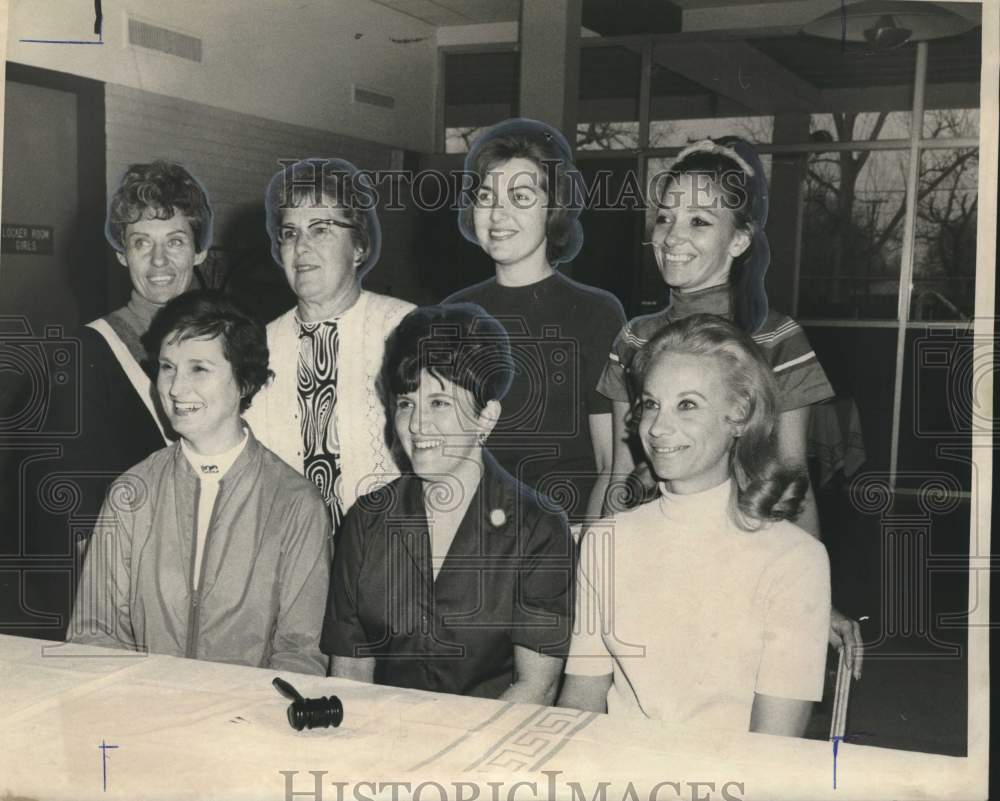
x=766 y=488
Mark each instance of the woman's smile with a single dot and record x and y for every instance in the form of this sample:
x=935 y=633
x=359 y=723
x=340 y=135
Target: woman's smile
x=695 y=236
x=667 y=450
x=438 y=427
x=677 y=258
x=199 y=392
x=510 y=215
x=685 y=425
x=184 y=409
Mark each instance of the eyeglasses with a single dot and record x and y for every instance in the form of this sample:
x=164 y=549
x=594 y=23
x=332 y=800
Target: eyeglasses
x=316 y=233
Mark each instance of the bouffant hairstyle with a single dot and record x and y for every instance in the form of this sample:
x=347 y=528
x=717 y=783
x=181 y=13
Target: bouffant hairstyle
x=734 y=167
x=766 y=489
x=326 y=183
x=206 y=314
x=158 y=190
x=458 y=342
x=549 y=151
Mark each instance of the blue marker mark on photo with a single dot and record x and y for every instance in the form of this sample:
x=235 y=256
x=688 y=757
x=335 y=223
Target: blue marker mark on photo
x=836 y=744
x=98 y=29
x=104 y=762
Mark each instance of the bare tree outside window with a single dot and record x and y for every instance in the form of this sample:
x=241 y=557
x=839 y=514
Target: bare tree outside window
x=459 y=140
x=607 y=136
x=855 y=207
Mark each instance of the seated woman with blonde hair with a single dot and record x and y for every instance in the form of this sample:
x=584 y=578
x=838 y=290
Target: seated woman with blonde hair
x=746 y=592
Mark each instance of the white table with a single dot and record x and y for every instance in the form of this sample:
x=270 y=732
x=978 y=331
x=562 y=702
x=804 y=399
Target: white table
x=185 y=729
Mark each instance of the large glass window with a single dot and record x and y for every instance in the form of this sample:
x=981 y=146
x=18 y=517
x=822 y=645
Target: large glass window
x=854 y=206
x=835 y=126
x=944 y=254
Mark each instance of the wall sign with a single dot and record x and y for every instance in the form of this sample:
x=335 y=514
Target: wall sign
x=26 y=240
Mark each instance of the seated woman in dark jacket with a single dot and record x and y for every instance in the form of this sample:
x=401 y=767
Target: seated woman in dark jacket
x=456 y=577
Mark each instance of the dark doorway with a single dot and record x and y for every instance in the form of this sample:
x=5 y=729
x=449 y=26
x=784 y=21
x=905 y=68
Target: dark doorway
x=53 y=277
x=54 y=179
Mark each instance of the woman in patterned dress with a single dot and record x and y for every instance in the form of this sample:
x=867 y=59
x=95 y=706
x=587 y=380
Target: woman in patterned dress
x=322 y=413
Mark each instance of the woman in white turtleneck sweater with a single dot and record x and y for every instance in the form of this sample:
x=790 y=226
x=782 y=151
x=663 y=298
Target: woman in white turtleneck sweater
x=720 y=605
x=160 y=224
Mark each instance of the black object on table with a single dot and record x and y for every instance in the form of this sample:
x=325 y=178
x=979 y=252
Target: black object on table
x=310 y=713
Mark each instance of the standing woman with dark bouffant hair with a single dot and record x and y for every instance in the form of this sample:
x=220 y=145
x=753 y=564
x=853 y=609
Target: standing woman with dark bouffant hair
x=720 y=605
x=555 y=434
x=212 y=548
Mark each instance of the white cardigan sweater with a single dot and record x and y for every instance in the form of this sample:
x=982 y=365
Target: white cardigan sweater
x=360 y=416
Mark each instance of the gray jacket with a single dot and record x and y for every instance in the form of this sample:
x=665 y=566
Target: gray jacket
x=264 y=573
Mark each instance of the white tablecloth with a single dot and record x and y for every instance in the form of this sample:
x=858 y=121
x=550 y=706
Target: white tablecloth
x=198 y=730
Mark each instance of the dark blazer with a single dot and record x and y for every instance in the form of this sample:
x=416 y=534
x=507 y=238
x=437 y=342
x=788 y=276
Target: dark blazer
x=107 y=429
x=507 y=580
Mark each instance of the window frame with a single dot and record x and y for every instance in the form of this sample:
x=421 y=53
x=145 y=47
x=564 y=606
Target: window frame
x=916 y=144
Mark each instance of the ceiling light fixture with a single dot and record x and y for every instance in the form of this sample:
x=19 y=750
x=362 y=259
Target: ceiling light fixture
x=887 y=24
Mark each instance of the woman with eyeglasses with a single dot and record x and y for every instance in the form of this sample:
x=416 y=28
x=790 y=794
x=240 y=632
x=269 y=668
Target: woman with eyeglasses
x=712 y=251
x=322 y=413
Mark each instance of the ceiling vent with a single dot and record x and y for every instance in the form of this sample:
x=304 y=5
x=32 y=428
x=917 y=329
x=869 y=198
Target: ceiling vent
x=163 y=40
x=372 y=98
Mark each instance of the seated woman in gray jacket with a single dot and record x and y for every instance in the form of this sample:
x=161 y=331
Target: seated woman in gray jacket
x=211 y=548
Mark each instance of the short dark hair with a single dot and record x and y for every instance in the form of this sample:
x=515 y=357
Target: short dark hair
x=326 y=183
x=208 y=313
x=766 y=489
x=158 y=190
x=548 y=149
x=458 y=342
